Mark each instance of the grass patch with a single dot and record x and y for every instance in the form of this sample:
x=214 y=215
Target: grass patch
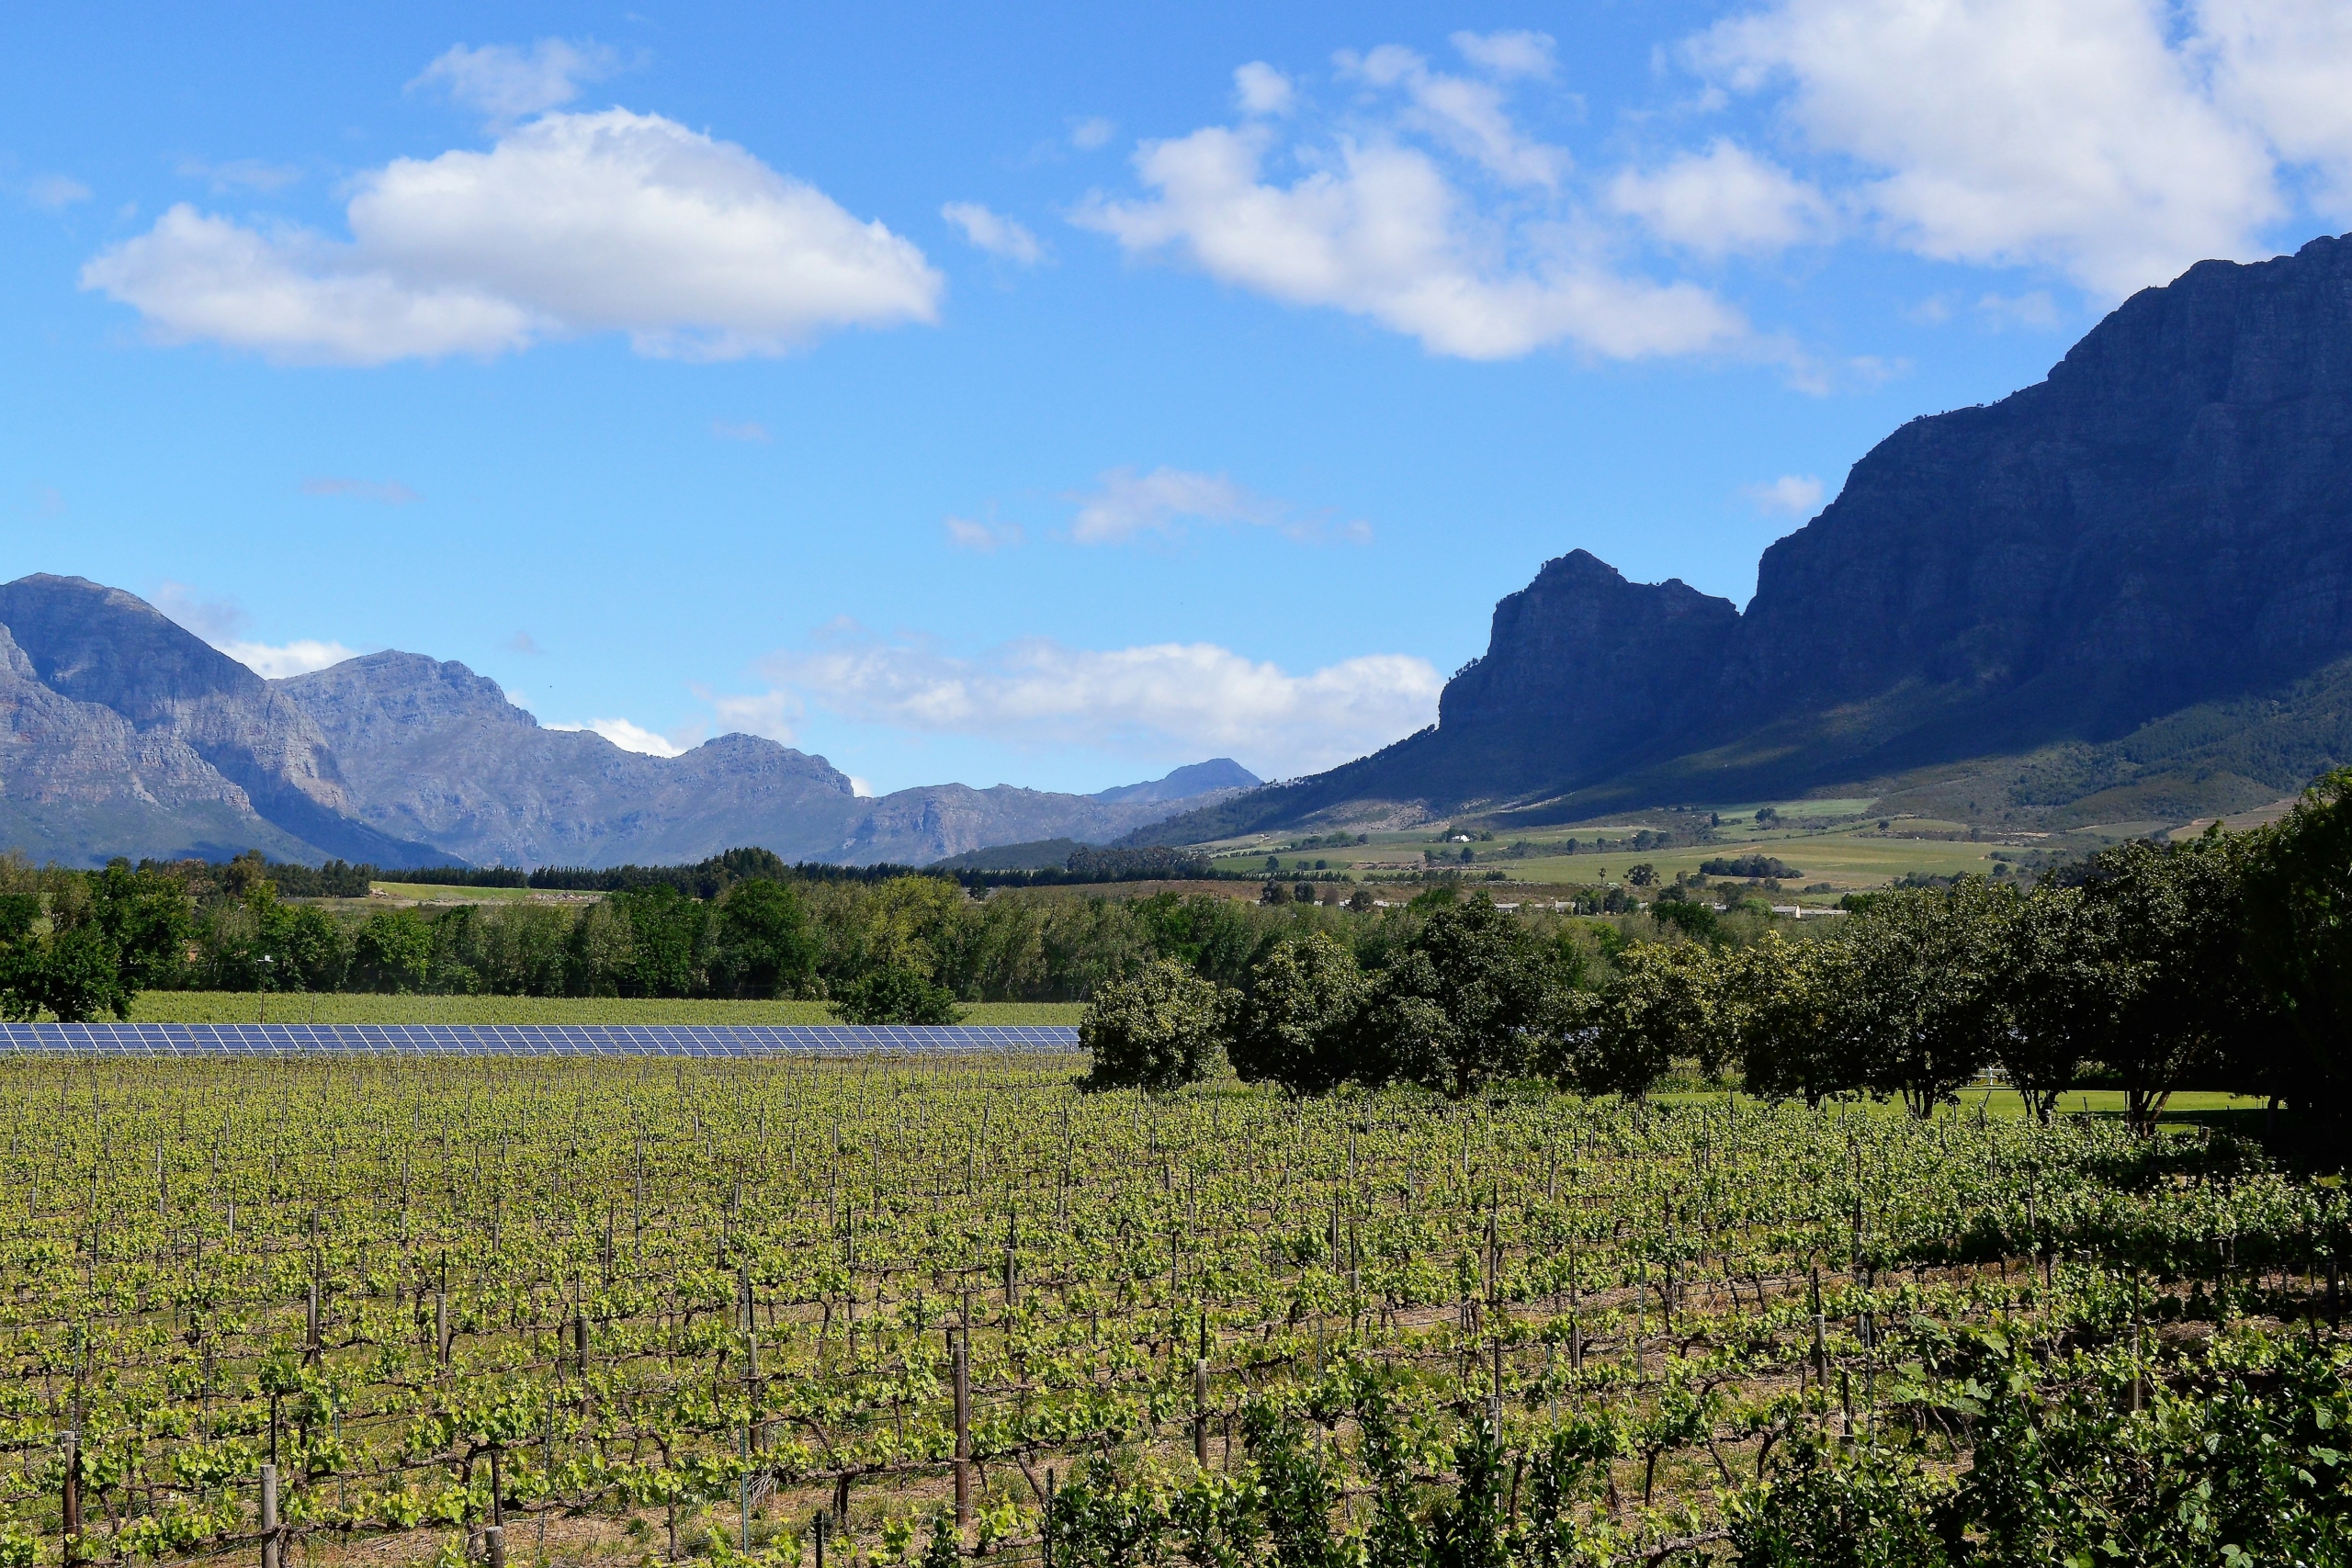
x=437 y=893
x=343 y=1006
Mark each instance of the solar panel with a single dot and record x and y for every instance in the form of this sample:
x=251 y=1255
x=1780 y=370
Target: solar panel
x=528 y=1038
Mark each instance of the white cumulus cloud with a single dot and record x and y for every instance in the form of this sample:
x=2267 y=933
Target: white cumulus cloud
x=1259 y=88
x=1723 y=200
x=2286 y=66
x=275 y=660
x=1182 y=697
x=628 y=737
x=506 y=84
x=612 y=221
x=1385 y=220
x=990 y=232
x=2115 y=142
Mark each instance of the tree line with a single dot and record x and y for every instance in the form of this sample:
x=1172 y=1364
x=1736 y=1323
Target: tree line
x=905 y=947
x=2224 y=962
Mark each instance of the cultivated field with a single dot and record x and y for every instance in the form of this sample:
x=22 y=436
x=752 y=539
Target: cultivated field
x=655 y=1307
x=435 y=893
x=1827 y=841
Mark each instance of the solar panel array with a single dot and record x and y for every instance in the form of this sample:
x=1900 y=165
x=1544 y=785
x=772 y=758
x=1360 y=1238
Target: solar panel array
x=525 y=1039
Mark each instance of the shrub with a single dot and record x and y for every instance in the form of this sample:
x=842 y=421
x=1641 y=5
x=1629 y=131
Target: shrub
x=896 y=993
x=1756 y=867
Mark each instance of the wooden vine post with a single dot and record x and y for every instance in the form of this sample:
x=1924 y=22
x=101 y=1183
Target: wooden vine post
x=269 y=1549
x=1201 y=1412
x=73 y=1508
x=960 y=1369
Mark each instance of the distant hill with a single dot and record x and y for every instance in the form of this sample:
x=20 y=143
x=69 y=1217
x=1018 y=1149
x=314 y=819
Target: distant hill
x=2123 y=594
x=434 y=752
x=1041 y=854
x=122 y=733
x=1215 y=775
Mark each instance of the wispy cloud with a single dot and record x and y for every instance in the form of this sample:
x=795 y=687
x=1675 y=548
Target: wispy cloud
x=628 y=737
x=222 y=621
x=239 y=174
x=1196 y=697
x=1507 y=54
x=506 y=84
x=524 y=642
x=1125 y=505
x=998 y=235
x=773 y=715
x=1794 y=495
x=750 y=430
x=391 y=492
x=986 y=539
x=55 y=192
x=1426 y=208
x=1093 y=132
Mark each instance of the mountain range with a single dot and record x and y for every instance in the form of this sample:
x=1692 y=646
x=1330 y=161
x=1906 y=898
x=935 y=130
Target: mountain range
x=2121 y=594
x=122 y=733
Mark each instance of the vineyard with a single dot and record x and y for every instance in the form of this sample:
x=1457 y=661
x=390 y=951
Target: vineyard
x=891 y=1311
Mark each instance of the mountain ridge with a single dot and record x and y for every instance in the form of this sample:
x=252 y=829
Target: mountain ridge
x=439 y=751
x=123 y=733
x=2155 y=539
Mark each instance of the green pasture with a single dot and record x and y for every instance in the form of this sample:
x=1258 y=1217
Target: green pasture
x=436 y=892
x=343 y=1006
x=1849 y=859
x=1845 y=861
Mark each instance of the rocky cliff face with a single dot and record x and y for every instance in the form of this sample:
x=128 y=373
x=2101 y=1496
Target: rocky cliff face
x=434 y=751
x=1612 y=665
x=71 y=772
x=145 y=700
x=2163 y=524
x=2168 y=518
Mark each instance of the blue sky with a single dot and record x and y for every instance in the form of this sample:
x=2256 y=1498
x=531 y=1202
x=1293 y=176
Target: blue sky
x=1053 y=395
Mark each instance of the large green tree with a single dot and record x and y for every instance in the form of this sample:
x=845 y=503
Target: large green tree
x=102 y=939
x=1660 y=1001
x=1158 y=1028
x=1474 y=998
x=1296 y=1025
x=2057 y=983
x=1923 y=1010
x=2298 y=910
x=2164 y=937
x=766 y=945
x=1777 y=1009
